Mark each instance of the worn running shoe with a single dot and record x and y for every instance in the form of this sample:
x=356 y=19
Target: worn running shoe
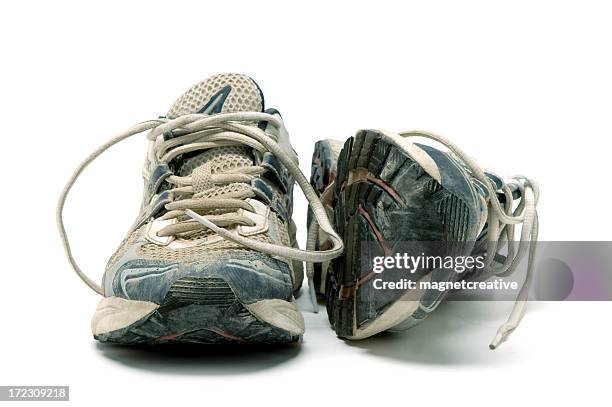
x=383 y=190
x=212 y=257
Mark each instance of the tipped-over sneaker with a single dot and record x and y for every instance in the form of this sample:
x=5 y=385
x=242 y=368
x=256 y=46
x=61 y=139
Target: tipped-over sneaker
x=212 y=256
x=385 y=191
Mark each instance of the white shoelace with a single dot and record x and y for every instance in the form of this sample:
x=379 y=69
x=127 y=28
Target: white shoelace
x=501 y=224
x=200 y=132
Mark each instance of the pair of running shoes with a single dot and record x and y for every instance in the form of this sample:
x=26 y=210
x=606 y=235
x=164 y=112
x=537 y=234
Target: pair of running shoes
x=213 y=258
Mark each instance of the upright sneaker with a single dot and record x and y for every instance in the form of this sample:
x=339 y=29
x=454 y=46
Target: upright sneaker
x=212 y=256
x=385 y=191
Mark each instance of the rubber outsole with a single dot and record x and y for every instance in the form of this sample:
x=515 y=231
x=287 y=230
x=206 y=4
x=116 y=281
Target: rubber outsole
x=202 y=311
x=380 y=196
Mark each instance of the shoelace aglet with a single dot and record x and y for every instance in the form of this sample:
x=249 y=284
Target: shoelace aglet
x=497 y=340
x=313 y=295
x=502 y=334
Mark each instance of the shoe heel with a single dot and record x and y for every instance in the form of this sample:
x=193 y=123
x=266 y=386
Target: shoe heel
x=380 y=195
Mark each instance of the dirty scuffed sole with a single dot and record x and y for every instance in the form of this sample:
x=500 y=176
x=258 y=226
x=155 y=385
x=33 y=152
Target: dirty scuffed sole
x=381 y=195
x=197 y=312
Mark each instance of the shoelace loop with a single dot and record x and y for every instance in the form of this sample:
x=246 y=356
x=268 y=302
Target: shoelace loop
x=219 y=129
x=502 y=221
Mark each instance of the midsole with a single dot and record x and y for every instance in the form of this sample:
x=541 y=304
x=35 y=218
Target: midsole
x=402 y=309
x=115 y=313
x=279 y=313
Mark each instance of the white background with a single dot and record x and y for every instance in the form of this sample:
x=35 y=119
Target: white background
x=525 y=87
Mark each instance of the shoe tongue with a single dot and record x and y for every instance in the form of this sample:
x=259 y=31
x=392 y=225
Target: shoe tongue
x=223 y=93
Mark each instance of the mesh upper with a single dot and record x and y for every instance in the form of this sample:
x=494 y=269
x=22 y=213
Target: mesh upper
x=220 y=158
x=244 y=97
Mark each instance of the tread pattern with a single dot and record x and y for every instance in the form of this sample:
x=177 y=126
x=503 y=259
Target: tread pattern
x=381 y=195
